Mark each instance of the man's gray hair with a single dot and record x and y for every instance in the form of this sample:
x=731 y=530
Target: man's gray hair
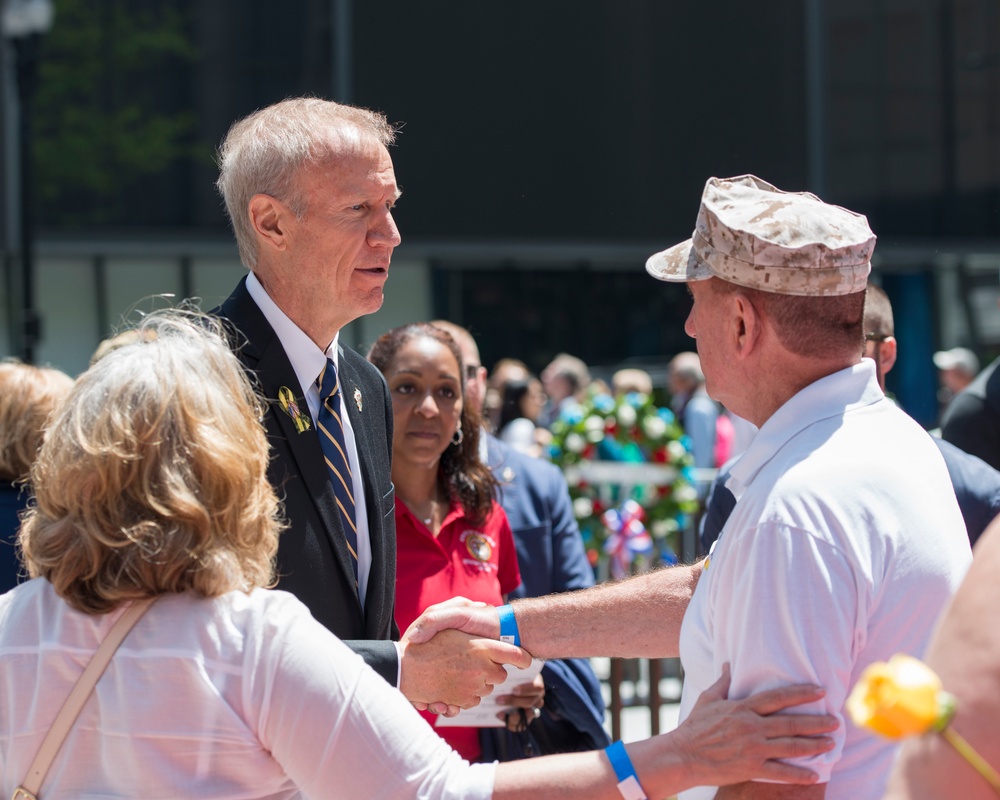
x=263 y=152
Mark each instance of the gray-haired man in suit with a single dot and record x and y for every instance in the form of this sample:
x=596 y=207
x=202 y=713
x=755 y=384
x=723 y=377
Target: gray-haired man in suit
x=309 y=187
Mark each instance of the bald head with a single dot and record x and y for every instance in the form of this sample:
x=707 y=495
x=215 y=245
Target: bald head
x=629 y=380
x=461 y=336
x=879 y=322
x=475 y=374
x=880 y=339
x=684 y=373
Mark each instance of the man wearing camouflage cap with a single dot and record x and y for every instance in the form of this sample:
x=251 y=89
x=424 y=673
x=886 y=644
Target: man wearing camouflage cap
x=846 y=540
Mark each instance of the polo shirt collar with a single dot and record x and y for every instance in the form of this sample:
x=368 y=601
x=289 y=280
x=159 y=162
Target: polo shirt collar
x=832 y=396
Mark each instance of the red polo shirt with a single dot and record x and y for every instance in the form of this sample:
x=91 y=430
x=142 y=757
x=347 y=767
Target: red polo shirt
x=478 y=562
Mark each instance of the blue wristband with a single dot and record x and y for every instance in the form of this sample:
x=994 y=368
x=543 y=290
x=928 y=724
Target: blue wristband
x=628 y=783
x=508 y=626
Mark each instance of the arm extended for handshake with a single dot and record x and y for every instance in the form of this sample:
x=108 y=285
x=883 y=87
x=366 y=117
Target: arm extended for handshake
x=636 y=618
x=722 y=741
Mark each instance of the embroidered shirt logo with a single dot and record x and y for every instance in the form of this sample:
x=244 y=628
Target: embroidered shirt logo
x=481 y=547
x=478 y=547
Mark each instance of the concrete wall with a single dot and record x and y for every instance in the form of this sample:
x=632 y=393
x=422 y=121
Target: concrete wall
x=84 y=298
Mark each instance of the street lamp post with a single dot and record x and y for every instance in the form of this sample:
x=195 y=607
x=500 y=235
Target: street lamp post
x=23 y=23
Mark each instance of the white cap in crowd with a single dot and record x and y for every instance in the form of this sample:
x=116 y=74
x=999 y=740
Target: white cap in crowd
x=961 y=358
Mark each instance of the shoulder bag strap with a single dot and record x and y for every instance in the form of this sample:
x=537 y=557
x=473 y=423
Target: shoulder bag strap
x=70 y=710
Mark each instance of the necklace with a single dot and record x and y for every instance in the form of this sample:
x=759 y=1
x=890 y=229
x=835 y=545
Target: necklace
x=427 y=520
x=432 y=508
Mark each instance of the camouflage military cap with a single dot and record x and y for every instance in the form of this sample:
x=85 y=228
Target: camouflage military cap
x=752 y=234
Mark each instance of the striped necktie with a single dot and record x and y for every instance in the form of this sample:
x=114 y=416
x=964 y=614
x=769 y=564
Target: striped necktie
x=331 y=439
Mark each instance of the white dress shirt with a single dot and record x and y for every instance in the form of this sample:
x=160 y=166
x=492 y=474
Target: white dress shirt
x=308 y=361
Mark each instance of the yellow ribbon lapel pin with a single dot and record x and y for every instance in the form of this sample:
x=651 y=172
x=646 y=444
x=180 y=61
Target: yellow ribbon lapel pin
x=286 y=398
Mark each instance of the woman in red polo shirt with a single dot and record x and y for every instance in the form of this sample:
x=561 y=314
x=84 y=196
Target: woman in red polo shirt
x=452 y=538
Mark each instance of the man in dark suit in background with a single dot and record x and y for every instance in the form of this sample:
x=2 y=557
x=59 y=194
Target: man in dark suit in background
x=309 y=187
x=976 y=483
x=550 y=555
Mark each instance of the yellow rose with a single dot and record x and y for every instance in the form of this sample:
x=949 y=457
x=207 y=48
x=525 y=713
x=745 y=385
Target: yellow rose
x=904 y=697
x=900 y=698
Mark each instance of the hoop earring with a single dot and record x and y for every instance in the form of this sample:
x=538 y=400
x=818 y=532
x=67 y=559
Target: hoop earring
x=458 y=438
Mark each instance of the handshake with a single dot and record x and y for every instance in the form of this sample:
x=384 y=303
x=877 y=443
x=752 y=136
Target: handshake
x=451 y=659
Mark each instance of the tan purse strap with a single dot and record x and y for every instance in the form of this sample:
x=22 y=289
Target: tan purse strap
x=60 y=728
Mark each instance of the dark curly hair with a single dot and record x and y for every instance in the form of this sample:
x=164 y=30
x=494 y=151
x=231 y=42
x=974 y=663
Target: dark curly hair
x=461 y=474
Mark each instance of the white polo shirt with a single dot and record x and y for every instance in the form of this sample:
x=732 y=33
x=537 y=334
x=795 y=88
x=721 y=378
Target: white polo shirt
x=844 y=546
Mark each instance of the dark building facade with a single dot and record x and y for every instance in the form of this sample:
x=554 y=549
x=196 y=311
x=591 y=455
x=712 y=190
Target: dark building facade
x=546 y=148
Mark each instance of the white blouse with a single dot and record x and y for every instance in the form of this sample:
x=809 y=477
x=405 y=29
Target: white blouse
x=235 y=697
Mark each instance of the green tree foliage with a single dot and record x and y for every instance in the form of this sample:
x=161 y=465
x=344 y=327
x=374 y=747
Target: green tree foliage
x=110 y=111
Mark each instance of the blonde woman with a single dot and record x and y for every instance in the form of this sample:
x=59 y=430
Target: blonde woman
x=28 y=395
x=152 y=484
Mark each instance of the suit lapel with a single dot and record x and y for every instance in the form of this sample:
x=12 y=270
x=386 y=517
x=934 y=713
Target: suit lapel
x=361 y=398
x=263 y=353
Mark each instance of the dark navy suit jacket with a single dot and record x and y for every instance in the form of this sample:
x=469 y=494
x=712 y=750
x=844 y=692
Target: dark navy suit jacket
x=551 y=558
x=314 y=563
x=13 y=499
x=534 y=496
x=977 y=487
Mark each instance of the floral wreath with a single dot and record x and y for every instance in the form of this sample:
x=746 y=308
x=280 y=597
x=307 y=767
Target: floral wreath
x=629 y=469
